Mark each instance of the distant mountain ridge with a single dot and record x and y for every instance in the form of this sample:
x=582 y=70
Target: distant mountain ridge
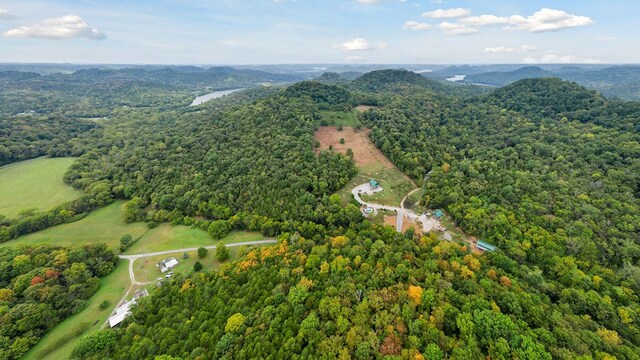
x=616 y=81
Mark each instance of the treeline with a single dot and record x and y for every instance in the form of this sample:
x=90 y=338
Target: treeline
x=32 y=221
x=28 y=137
x=42 y=285
x=368 y=292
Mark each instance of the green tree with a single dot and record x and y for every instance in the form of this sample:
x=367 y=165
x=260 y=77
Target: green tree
x=219 y=229
x=222 y=253
x=197 y=266
x=202 y=252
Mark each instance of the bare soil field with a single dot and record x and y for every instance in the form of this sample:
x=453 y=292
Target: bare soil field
x=363 y=108
x=364 y=151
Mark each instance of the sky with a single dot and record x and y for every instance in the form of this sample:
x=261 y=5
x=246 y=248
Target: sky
x=320 y=31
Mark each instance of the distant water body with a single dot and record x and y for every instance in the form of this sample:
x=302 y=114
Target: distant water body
x=455 y=78
x=214 y=95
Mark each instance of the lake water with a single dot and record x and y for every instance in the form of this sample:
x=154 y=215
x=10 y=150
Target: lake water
x=455 y=78
x=214 y=95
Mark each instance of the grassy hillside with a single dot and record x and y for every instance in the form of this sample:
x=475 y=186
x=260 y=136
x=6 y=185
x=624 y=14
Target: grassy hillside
x=35 y=184
x=101 y=226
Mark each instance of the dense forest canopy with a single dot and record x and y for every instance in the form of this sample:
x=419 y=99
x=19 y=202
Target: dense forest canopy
x=256 y=158
x=27 y=137
x=545 y=169
x=42 y=285
x=372 y=294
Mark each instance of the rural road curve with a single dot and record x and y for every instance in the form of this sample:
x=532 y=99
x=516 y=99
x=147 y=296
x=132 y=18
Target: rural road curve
x=133 y=258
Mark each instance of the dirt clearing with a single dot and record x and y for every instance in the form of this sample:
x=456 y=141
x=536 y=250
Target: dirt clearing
x=363 y=108
x=364 y=151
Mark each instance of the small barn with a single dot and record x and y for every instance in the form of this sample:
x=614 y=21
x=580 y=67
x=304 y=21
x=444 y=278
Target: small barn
x=374 y=184
x=167 y=264
x=438 y=214
x=485 y=246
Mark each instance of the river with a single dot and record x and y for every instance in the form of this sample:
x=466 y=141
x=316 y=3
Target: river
x=214 y=95
x=455 y=78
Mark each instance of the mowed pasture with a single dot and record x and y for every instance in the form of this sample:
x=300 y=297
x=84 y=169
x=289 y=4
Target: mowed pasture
x=167 y=237
x=371 y=163
x=34 y=184
x=105 y=225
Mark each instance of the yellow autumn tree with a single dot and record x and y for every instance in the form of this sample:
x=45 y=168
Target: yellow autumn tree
x=234 y=323
x=610 y=337
x=415 y=294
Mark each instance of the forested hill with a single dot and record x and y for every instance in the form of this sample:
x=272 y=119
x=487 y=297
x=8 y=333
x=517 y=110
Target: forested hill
x=615 y=81
x=546 y=170
x=400 y=81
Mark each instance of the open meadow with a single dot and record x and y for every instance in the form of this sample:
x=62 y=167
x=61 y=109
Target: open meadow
x=34 y=184
x=105 y=225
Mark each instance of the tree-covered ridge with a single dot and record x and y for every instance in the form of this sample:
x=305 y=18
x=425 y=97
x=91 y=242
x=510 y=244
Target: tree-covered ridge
x=373 y=293
x=90 y=93
x=27 y=137
x=546 y=97
x=555 y=192
x=324 y=95
x=256 y=158
x=394 y=80
x=41 y=286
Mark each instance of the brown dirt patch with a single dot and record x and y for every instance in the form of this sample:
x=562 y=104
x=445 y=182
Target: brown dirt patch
x=364 y=151
x=363 y=108
x=391 y=220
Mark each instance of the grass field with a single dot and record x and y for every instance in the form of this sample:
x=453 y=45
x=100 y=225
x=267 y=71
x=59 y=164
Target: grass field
x=104 y=225
x=167 y=237
x=34 y=184
x=53 y=345
x=339 y=118
x=145 y=268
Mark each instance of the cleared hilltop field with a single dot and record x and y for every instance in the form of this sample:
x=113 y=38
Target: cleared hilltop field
x=34 y=184
x=371 y=163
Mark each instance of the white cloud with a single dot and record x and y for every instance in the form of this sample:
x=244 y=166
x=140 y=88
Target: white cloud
x=448 y=28
x=551 y=20
x=605 y=38
x=543 y=20
x=64 y=27
x=4 y=14
x=447 y=13
x=554 y=58
x=505 y=49
x=354 y=45
x=484 y=20
x=415 y=26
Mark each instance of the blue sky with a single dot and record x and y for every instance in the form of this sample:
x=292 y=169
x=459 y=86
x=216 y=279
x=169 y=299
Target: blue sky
x=320 y=31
